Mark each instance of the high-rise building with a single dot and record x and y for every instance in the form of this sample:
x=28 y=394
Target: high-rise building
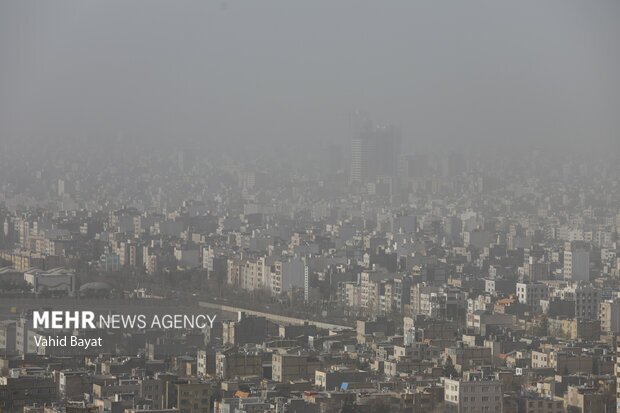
x=361 y=151
x=374 y=151
x=576 y=261
x=61 y=187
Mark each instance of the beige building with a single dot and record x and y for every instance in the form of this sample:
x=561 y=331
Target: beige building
x=563 y=362
x=540 y=359
x=609 y=314
x=352 y=293
x=537 y=404
x=465 y=357
x=584 y=399
x=574 y=328
x=194 y=397
x=570 y=363
x=287 y=367
x=417 y=351
x=231 y=363
x=334 y=378
x=473 y=396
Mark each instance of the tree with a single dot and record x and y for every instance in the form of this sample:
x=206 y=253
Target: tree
x=449 y=370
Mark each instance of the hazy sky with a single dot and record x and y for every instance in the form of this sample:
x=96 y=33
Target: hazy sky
x=286 y=71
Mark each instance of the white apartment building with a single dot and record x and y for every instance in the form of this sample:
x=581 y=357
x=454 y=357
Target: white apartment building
x=532 y=293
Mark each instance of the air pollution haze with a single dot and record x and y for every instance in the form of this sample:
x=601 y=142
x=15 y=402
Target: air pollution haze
x=230 y=206
x=229 y=74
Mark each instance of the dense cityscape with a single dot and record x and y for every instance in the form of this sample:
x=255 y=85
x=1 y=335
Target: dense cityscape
x=275 y=206
x=365 y=279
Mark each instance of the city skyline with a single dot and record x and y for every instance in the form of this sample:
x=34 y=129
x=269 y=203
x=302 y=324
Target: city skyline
x=309 y=207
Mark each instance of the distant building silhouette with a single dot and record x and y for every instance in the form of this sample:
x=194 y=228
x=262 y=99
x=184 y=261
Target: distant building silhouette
x=374 y=150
